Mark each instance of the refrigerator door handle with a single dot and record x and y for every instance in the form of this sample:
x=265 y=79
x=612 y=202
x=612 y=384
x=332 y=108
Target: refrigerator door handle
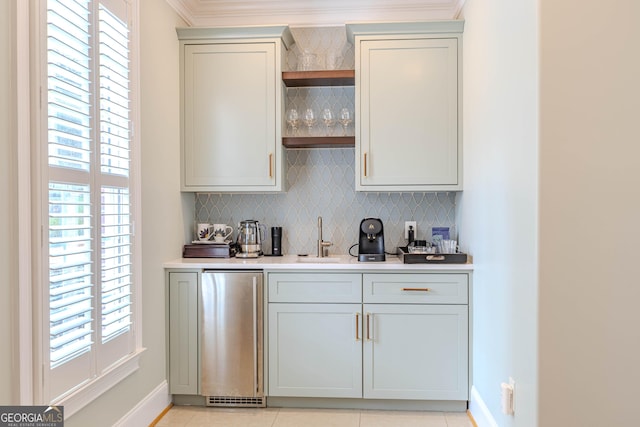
x=255 y=334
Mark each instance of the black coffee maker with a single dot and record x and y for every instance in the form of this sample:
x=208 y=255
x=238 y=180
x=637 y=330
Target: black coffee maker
x=371 y=242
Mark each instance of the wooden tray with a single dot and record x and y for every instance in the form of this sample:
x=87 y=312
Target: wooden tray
x=407 y=258
x=215 y=250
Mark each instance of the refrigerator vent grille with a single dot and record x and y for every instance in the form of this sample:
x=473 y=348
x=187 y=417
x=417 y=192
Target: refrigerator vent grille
x=238 y=402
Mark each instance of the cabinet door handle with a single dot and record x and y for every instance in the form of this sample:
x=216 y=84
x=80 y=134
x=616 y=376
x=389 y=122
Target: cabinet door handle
x=416 y=289
x=365 y=164
x=357 y=326
x=270 y=165
x=368 y=327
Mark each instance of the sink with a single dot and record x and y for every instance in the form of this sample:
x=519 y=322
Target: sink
x=315 y=259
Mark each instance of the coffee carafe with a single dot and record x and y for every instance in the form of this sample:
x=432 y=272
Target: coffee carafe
x=250 y=237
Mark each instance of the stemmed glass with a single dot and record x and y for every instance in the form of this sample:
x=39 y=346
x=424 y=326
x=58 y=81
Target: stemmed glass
x=345 y=119
x=328 y=119
x=309 y=118
x=293 y=120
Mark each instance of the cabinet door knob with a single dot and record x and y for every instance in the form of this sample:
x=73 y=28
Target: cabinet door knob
x=270 y=165
x=357 y=326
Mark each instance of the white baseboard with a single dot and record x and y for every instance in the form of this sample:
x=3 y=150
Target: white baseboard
x=148 y=408
x=479 y=410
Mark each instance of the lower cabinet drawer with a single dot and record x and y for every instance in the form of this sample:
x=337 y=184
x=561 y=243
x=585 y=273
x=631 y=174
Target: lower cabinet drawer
x=323 y=287
x=428 y=288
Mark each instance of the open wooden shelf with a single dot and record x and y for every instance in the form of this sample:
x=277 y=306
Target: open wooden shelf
x=319 y=78
x=319 y=141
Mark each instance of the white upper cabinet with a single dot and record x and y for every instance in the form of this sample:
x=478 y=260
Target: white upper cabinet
x=231 y=108
x=408 y=106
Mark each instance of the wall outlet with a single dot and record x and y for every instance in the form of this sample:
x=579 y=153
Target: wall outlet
x=508 y=397
x=406 y=229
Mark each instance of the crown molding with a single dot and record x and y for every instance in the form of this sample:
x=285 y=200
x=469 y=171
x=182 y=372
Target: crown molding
x=202 y=13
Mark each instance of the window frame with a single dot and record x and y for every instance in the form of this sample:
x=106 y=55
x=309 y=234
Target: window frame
x=104 y=379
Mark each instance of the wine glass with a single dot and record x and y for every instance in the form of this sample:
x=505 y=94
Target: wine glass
x=345 y=119
x=293 y=119
x=309 y=118
x=328 y=119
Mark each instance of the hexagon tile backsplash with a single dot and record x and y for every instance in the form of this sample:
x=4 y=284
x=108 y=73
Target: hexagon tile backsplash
x=321 y=182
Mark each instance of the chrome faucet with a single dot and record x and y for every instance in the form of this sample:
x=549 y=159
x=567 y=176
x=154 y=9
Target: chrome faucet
x=321 y=243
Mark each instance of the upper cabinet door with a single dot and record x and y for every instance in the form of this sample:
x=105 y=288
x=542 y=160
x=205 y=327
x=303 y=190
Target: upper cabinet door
x=407 y=113
x=231 y=95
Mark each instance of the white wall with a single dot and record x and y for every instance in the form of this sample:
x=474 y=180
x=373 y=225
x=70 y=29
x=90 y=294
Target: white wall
x=162 y=216
x=589 y=213
x=588 y=167
x=498 y=207
x=8 y=202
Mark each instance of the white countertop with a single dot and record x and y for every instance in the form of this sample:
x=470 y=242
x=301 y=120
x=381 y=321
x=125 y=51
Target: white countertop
x=294 y=262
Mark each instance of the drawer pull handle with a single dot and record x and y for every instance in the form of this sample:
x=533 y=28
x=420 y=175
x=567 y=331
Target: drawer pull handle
x=368 y=327
x=357 y=326
x=416 y=289
x=435 y=257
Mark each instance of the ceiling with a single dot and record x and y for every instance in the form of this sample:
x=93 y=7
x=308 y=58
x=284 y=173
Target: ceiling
x=213 y=13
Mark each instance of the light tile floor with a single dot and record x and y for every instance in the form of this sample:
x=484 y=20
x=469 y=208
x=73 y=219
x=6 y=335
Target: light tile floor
x=192 y=416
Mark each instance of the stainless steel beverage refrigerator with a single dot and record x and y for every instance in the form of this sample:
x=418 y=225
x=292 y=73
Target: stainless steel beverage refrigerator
x=231 y=338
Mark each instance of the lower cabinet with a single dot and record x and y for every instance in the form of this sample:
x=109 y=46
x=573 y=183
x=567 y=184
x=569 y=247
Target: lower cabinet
x=416 y=352
x=345 y=335
x=314 y=350
x=183 y=332
x=412 y=346
x=416 y=336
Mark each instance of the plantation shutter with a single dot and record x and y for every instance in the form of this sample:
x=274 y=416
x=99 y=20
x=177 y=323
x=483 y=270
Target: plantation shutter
x=115 y=216
x=90 y=233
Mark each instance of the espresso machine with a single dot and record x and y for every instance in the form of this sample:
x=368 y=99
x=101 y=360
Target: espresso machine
x=371 y=241
x=250 y=238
